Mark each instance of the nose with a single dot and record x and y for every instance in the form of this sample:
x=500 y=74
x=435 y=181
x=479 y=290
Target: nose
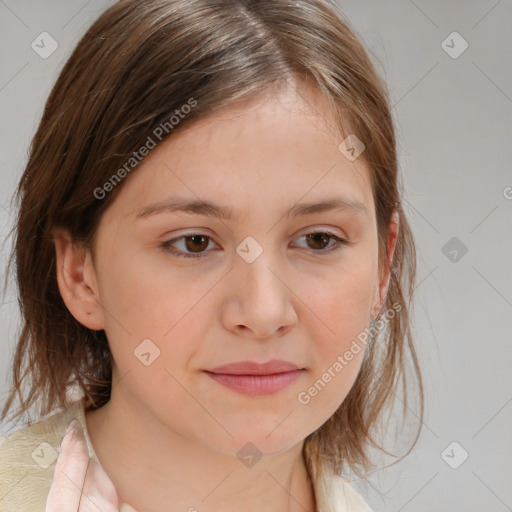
x=259 y=302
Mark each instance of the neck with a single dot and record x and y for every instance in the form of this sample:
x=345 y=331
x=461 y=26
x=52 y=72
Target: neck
x=151 y=467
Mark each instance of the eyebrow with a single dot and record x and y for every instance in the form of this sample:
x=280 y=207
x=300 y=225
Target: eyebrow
x=209 y=209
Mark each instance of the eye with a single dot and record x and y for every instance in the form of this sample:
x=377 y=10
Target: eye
x=194 y=242
x=197 y=243
x=320 y=240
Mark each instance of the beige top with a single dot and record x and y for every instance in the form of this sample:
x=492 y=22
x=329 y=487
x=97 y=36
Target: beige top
x=28 y=457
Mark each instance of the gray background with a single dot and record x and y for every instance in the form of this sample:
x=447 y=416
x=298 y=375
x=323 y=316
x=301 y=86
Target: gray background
x=454 y=123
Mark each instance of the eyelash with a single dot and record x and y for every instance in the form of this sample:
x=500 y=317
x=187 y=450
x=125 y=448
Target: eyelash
x=167 y=246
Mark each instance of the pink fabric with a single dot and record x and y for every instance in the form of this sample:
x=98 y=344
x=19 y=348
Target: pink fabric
x=80 y=484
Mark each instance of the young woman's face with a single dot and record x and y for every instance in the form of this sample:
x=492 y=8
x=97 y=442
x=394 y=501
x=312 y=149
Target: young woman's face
x=184 y=292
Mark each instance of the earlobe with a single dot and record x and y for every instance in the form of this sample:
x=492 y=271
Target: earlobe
x=385 y=274
x=77 y=281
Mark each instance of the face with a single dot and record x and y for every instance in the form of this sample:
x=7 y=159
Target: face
x=182 y=293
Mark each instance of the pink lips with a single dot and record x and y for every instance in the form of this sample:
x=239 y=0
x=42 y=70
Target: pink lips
x=252 y=378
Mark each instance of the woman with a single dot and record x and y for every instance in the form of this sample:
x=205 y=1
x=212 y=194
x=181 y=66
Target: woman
x=211 y=250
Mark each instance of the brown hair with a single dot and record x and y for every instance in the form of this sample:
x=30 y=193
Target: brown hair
x=137 y=64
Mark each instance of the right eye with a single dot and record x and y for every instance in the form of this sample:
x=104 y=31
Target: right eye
x=195 y=242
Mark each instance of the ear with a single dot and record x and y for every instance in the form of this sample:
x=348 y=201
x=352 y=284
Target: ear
x=77 y=282
x=384 y=275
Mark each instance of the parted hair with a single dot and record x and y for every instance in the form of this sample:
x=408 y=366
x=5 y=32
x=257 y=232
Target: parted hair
x=135 y=66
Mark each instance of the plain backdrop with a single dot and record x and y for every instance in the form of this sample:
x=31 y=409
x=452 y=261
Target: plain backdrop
x=448 y=67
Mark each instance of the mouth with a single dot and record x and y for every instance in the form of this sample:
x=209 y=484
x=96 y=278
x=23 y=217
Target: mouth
x=256 y=379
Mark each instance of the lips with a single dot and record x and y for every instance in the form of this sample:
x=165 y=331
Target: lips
x=251 y=378
x=252 y=368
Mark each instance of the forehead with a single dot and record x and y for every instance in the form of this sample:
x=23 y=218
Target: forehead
x=279 y=150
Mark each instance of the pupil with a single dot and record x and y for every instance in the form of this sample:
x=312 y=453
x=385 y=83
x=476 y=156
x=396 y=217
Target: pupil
x=321 y=236
x=195 y=241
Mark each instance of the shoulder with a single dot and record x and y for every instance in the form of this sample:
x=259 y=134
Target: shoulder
x=27 y=460
x=343 y=497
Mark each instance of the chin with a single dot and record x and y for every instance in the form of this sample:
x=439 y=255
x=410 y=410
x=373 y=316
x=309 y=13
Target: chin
x=267 y=437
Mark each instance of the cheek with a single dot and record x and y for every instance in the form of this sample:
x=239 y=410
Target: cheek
x=151 y=324
x=342 y=303
x=153 y=331
x=337 y=333
x=147 y=300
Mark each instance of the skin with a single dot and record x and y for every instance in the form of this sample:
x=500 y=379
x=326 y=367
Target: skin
x=170 y=434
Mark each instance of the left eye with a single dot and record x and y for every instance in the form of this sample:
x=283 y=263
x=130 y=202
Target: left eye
x=197 y=243
x=324 y=237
